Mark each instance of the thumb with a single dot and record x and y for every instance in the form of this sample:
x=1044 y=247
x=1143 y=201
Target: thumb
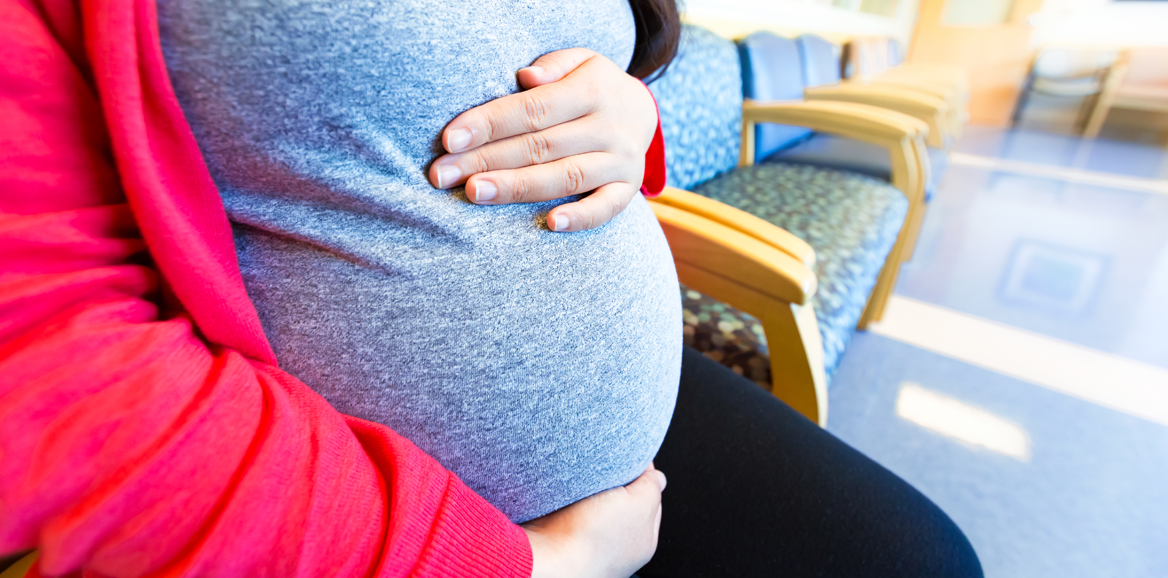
x=650 y=483
x=553 y=67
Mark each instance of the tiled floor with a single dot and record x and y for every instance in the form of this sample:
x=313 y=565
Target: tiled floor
x=1043 y=482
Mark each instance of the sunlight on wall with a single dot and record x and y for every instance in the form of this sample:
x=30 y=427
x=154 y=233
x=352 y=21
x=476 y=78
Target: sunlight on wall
x=1101 y=22
x=961 y=421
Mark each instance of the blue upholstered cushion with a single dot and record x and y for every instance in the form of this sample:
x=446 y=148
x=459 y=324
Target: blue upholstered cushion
x=845 y=154
x=820 y=57
x=700 y=99
x=772 y=70
x=851 y=221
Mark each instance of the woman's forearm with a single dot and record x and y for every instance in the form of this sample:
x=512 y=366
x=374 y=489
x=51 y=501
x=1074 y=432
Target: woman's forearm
x=130 y=443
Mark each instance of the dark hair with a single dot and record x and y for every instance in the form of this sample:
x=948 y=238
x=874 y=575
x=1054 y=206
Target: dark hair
x=658 y=34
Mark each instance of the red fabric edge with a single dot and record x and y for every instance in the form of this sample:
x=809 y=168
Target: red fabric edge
x=654 y=180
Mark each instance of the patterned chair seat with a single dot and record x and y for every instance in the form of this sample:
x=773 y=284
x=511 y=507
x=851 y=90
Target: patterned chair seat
x=726 y=335
x=851 y=221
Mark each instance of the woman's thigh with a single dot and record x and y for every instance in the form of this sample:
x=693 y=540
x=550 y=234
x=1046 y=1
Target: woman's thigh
x=755 y=489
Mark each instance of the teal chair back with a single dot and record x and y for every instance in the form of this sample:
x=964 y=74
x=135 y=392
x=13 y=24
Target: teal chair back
x=820 y=57
x=772 y=70
x=700 y=99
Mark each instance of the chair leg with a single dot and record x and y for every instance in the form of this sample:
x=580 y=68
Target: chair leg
x=885 y=284
x=796 y=352
x=914 y=224
x=1020 y=105
x=1112 y=79
x=1084 y=115
x=793 y=340
x=916 y=218
x=910 y=179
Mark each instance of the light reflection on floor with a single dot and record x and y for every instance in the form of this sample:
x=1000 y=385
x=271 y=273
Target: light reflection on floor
x=1082 y=264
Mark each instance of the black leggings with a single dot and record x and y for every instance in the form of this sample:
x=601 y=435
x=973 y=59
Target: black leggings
x=755 y=489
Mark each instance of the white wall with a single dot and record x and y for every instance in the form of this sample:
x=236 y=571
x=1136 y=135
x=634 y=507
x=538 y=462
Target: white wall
x=1101 y=22
x=737 y=18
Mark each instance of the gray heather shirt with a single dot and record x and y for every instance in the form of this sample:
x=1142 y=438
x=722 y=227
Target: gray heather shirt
x=540 y=367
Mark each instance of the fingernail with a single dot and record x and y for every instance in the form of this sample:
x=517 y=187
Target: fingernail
x=485 y=191
x=536 y=70
x=559 y=223
x=458 y=139
x=661 y=481
x=448 y=175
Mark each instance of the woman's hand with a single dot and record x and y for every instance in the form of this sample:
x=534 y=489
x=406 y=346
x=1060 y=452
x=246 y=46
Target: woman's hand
x=581 y=124
x=609 y=535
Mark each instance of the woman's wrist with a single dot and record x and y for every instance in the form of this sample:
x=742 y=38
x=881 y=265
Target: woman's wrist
x=548 y=558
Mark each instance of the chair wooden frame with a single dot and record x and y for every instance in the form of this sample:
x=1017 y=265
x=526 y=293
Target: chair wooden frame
x=928 y=108
x=957 y=116
x=758 y=268
x=903 y=137
x=867 y=61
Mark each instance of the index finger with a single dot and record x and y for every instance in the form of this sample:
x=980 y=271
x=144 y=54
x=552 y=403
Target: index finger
x=528 y=111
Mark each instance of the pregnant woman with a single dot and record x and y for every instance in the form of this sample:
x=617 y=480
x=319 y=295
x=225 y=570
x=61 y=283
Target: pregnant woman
x=540 y=367
x=408 y=239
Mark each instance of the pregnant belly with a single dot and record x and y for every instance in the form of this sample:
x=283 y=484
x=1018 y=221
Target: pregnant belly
x=539 y=371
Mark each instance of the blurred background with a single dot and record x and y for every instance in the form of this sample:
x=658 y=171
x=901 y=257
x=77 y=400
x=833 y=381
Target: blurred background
x=1019 y=375
x=1001 y=43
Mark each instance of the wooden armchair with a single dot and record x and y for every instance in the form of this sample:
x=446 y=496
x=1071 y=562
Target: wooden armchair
x=865 y=58
x=901 y=135
x=762 y=270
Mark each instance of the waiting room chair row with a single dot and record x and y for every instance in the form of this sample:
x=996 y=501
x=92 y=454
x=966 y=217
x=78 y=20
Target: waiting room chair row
x=780 y=252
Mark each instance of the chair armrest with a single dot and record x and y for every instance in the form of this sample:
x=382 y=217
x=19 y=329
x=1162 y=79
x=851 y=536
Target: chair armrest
x=930 y=86
x=900 y=134
x=740 y=221
x=733 y=255
x=955 y=79
x=753 y=276
x=860 y=121
x=930 y=109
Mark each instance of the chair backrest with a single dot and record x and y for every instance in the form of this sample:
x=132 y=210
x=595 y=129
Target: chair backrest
x=821 y=63
x=700 y=100
x=865 y=56
x=895 y=54
x=772 y=70
x=1066 y=63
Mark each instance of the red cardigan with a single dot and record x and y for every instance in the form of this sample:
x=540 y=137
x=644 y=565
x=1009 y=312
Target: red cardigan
x=144 y=425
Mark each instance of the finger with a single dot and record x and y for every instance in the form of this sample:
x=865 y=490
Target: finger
x=648 y=485
x=593 y=211
x=529 y=111
x=657 y=525
x=553 y=67
x=569 y=176
x=555 y=143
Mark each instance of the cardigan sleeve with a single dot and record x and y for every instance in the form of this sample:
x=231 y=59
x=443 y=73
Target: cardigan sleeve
x=654 y=180
x=130 y=444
